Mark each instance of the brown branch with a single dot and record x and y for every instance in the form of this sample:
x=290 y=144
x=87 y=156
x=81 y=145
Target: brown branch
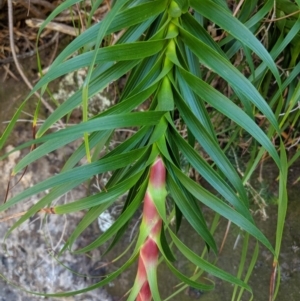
x=13 y=51
x=69 y=30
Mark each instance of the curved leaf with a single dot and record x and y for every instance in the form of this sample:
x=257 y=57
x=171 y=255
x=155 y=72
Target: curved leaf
x=101 y=123
x=229 y=109
x=237 y=29
x=99 y=198
x=123 y=52
x=115 y=227
x=205 y=265
x=218 y=206
x=190 y=211
x=211 y=147
x=81 y=173
x=225 y=69
x=109 y=74
x=211 y=176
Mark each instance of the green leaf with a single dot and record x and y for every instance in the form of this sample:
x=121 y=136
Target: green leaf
x=115 y=227
x=99 y=198
x=250 y=269
x=282 y=202
x=224 y=68
x=165 y=246
x=125 y=106
x=108 y=279
x=137 y=14
x=101 y=81
x=237 y=29
x=211 y=176
x=189 y=210
x=11 y=125
x=205 y=265
x=79 y=173
x=57 y=11
x=146 y=74
x=165 y=101
x=135 y=194
x=101 y=123
x=42 y=203
x=124 y=19
x=232 y=111
x=193 y=27
x=223 y=209
x=211 y=147
x=123 y=52
x=95 y=139
x=188 y=281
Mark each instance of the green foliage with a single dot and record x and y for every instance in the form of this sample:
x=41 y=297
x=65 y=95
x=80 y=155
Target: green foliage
x=171 y=60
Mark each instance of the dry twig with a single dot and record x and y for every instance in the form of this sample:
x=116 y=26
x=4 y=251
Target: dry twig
x=18 y=66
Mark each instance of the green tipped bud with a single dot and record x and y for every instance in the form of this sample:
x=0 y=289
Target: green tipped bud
x=171 y=48
x=168 y=64
x=171 y=52
x=165 y=103
x=174 y=10
x=172 y=31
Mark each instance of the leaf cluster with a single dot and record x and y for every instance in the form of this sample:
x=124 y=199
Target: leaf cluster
x=170 y=61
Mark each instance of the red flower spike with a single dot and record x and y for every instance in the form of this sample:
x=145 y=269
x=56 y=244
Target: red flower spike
x=145 y=293
x=149 y=252
x=158 y=174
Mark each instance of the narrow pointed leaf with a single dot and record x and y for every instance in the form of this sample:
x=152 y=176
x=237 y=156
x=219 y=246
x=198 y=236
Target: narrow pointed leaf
x=206 y=266
x=229 y=109
x=218 y=206
x=211 y=147
x=211 y=176
x=234 y=27
x=224 y=68
x=79 y=173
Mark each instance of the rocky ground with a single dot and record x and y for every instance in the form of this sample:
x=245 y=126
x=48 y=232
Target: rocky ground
x=28 y=263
